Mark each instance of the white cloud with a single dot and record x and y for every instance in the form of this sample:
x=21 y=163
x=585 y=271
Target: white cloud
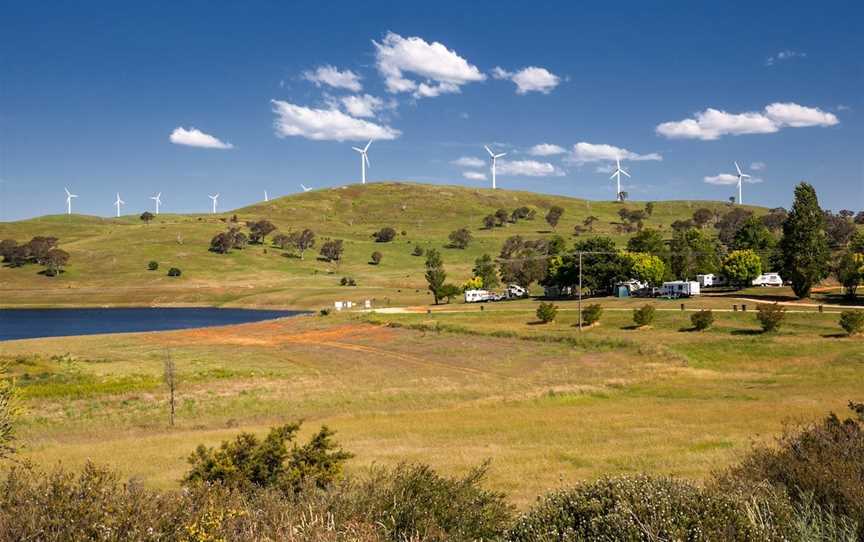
x=606 y=168
x=331 y=76
x=843 y=107
x=468 y=161
x=530 y=79
x=783 y=55
x=365 y=105
x=712 y=123
x=728 y=178
x=528 y=168
x=590 y=152
x=546 y=149
x=474 y=175
x=194 y=137
x=758 y=166
x=439 y=69
x=326 y=124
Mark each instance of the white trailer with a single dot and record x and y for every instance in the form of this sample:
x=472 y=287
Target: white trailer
x=768 y=279
x=710 y=279
x=680 y=288
x=478 y=296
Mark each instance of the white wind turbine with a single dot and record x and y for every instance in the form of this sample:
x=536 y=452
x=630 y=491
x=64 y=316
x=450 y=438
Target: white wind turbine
x=305 y=188
x=266 y=196
x=617 y=176
x=158 y=199
x=117 y=203
x=69 y=196
x=215 y=201
x=494 y=158
x=364 y=160
x=741 y=177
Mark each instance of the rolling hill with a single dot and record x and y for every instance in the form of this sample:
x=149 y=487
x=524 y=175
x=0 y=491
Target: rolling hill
x=109 y=256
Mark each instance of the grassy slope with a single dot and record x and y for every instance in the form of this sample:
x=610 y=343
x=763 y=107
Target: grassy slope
x=109 y=256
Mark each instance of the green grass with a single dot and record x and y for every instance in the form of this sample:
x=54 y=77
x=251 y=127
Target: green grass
x=110 y=256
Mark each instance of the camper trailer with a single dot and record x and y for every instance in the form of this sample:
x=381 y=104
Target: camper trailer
x=710 y=279
x=768 y=279
x=478 y=296
x=680 y=288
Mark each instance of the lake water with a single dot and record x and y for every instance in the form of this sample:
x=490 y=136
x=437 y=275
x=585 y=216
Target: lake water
x=32 y=323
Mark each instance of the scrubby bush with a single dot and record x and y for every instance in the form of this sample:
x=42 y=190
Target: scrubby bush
x=591 y=314
x=332 y=250
x=822 y=462
x=347 y=281
x=702 y=320
x=376 y=257
x=770 y=316
x=637 y=508
x=247 y=462
x=460 y=238
x=644 y=316
x=418 y=251
x=546 y=312
x=852 y=322
x=153 y=265
x=384 y=235
x=174 y=272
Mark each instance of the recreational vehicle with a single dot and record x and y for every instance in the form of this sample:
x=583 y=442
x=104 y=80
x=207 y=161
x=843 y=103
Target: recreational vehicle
x=680 y=288
x=768 y=279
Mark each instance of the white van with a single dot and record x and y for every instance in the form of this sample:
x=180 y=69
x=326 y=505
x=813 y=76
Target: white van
x=768 y=279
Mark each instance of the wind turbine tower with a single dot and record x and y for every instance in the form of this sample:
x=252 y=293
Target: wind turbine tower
x=494 y=158
x=364 y=160
x=158 y=199
x=69 y=196
x=741 y=177
x=215 y=201
x=117 y=203
x=619 y=196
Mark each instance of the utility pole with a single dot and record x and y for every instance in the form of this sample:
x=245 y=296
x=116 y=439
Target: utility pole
x=580 y=291
x=171 y=381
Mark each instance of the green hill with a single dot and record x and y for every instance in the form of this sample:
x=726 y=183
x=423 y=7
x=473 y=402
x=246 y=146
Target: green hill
x=109 y=256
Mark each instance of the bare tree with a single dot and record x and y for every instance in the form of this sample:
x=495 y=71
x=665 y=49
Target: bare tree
x=171 y=382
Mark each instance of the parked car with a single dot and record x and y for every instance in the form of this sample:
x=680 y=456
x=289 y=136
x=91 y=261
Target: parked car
x=768 y=279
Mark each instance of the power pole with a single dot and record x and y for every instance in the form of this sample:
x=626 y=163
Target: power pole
x=171 y=381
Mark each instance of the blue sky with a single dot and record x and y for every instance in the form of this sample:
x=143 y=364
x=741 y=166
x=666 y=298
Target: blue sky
x=91 y=93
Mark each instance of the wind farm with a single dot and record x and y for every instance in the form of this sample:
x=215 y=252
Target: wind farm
x=473 y=341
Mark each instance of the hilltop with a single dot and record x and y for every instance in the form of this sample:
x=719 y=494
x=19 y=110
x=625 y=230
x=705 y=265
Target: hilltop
x=109 y=256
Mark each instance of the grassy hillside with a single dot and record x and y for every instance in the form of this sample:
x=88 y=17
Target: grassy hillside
x=110 y=256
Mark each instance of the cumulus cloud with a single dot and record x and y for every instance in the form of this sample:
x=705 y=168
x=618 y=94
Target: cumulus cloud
x=332 y=77
x=590 y=152
x=469 y=161
x=326 y=124
x=194 y=137
x=528 y=168
x=530 y=79
x=474 y=175
x=728 y=178
x=712 y=123
x=364 y=105
x=546 y=149
x=786 y=54
x=438 y=70
x=758 y=166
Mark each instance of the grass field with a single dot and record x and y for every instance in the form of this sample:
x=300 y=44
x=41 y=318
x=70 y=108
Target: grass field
x=109 y=256
x=547 y=405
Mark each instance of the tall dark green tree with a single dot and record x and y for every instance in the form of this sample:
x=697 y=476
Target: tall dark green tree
x=804 y=246
x=692 y=252
x=484 y=267
x=435 y=274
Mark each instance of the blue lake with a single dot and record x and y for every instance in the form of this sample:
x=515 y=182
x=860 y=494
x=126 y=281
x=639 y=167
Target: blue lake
x=33 y=323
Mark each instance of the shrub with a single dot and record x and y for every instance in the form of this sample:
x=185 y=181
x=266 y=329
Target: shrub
x=324 y=312
x=460 y=238
x=591 y=314
x=770 y=316
x=247 y=461
x=418 y=251
x=384 y=235
x=702 y=320
x=174 y=272
x=823 y=461
x=644 y=316
x=546 y=312
x=332 y=250
x=629 y=508
x=852 y=321
x=153 y=265
x=347 y=281
x=376 y=257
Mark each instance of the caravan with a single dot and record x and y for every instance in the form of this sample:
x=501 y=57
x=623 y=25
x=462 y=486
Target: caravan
x=768 y=279
x=680 y=288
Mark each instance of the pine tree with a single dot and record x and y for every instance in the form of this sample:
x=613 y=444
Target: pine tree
x=804 y=247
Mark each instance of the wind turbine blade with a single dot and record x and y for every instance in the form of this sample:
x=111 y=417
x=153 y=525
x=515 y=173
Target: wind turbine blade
x=614 y=174
x=366 y=157
x=366 y=148
x=358 y=149
x=738 y=168
x=500 y=155
x=492 y=154
x=625 y=172
x=67 y=190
